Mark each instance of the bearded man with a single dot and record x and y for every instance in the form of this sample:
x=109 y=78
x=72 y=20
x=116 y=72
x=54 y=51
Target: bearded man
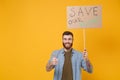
x=67 y=62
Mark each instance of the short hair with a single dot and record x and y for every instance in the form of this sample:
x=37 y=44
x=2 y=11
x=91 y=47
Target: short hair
x=67 y=33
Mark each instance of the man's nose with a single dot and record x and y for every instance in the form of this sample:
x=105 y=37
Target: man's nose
x=67 y=40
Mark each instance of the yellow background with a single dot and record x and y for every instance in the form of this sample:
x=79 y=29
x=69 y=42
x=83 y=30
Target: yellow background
x=31 y=29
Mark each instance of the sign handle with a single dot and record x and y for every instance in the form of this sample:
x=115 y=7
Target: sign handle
x=84 y=39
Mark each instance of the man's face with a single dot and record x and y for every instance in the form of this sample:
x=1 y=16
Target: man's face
x=67 y=41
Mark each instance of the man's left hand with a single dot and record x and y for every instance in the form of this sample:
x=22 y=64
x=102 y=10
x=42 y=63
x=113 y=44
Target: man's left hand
x=85 y=54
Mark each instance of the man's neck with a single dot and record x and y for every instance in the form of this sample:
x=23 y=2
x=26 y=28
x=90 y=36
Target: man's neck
x=67 y=50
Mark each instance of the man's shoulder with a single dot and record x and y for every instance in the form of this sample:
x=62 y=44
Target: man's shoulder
x=76 y=52
x=62 y=50
x=58 y=50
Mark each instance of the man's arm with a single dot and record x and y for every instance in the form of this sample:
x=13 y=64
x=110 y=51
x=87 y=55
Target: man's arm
x=49 y=66
x=87 y=61
x=89 y=66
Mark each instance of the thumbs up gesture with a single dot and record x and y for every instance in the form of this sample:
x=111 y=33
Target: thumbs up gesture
x=54 y=61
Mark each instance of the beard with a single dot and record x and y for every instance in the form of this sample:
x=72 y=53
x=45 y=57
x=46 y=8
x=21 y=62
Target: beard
x=67 y=47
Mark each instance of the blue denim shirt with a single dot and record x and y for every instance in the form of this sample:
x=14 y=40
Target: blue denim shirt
x=77 y=63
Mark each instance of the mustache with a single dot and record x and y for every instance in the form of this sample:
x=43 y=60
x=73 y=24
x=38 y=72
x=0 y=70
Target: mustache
x=67 y=43
x=64 y=44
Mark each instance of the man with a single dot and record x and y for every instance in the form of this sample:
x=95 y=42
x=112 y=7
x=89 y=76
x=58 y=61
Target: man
x=68 y=62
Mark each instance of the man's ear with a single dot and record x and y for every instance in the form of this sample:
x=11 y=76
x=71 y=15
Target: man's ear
x=73 y=39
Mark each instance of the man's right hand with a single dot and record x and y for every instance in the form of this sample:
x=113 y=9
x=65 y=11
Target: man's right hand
x=54 y=61
x=51 y=65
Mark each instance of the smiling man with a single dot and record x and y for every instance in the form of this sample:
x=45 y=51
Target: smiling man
x=67 y=61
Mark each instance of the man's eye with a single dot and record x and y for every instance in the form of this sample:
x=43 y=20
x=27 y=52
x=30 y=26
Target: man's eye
x=65 y=39
x=69 y=39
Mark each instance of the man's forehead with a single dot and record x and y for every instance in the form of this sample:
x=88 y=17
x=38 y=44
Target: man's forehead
x=67 y=36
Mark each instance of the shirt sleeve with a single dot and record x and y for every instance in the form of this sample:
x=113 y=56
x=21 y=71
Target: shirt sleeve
x=83 y=64
x=86 y=65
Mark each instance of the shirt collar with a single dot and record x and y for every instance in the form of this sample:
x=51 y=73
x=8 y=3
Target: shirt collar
x=62 y=50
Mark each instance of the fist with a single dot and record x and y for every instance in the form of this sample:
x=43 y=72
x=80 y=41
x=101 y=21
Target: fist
x=85 y=54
